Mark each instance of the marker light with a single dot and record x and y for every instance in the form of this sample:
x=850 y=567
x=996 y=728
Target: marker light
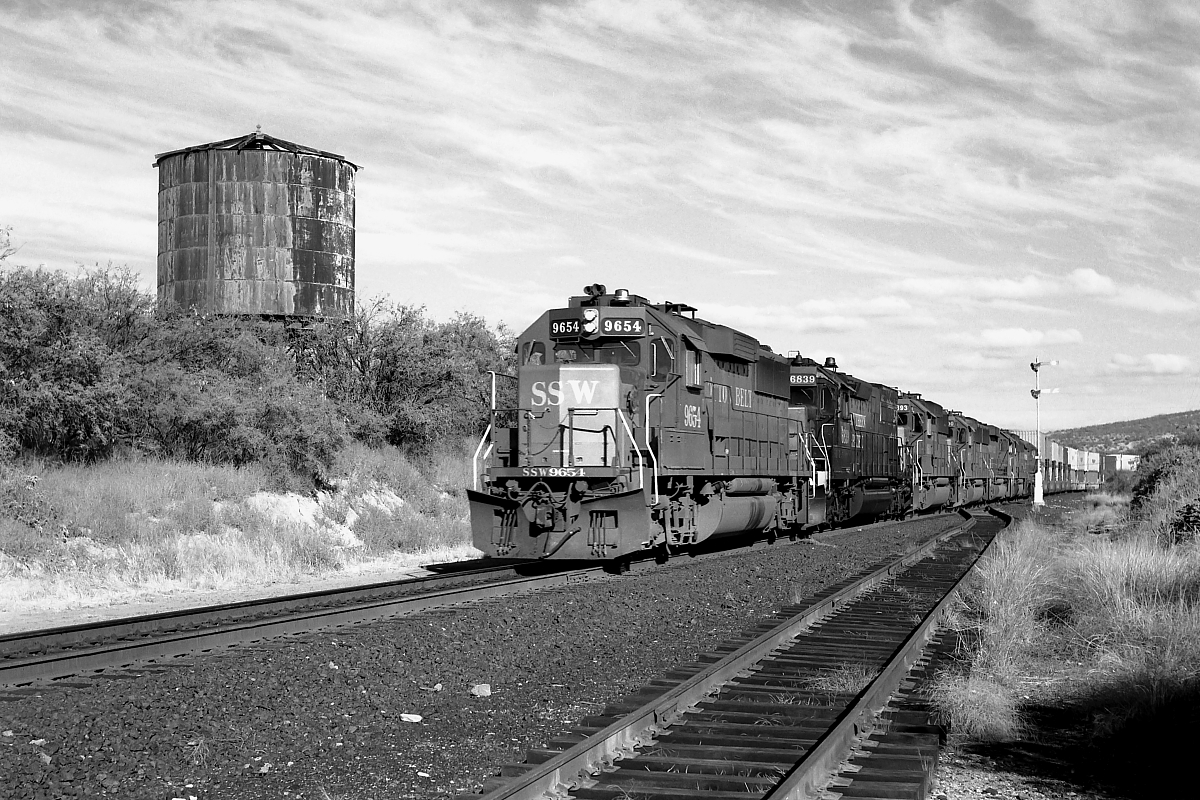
x=591 y=321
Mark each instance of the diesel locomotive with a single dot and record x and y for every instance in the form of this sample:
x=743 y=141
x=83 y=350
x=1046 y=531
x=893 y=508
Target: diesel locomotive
x=639 y=427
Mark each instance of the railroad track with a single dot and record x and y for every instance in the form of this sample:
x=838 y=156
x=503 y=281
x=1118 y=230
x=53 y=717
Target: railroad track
x=39 y=657
x=42 y=656
x=791 y=709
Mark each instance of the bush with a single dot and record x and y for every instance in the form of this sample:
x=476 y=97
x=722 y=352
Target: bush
x=91 y=366
x=1120 y=482
x=1166 y=495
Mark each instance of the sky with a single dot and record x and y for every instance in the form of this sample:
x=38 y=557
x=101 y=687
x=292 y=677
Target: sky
x=934 y=193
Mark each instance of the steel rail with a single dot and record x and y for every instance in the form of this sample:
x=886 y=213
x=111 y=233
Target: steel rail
x=807 y=780
x=572 y=767
x=123 y=653
x=146 y=624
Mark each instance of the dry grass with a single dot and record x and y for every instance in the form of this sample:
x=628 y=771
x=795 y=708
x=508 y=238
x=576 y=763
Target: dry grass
x=1135 y=615
x=846 y=678
x=1102 y=512
x=122 y=529
x=1002 y=613
x=1123 y=608
x=978 y=707
x=1011 y=591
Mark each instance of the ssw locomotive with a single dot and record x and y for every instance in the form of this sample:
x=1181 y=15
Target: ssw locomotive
x=638 y=427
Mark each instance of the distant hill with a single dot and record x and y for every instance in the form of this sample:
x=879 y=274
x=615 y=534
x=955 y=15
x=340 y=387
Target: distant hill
x=1132 y=436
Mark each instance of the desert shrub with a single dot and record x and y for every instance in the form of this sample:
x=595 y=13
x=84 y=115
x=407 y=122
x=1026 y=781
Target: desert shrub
x=1159 y=466
x=91 y=366
x=24 y=503
x=1167 y=494
x=303 y=431
x=10 y=447
x=977 y=706
x=1120 y=482
x=424 y=382
x=1007 y=607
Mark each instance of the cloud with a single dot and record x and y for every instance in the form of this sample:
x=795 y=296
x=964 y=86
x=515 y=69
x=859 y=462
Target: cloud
x=976 y=362
x=1151 y=364
x=1005 y=338
x=1089 y=281
x=987 y=177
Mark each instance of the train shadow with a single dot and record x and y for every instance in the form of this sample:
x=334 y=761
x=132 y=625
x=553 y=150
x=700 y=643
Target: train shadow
x=1113 y=740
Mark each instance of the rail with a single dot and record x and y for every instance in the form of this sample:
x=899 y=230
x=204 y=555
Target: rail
x=689 y=739
x=52 y=654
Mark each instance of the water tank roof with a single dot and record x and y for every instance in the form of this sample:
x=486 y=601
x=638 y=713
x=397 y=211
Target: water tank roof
x=255 y=141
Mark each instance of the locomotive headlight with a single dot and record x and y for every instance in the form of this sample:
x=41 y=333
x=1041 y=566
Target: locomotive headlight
x=591 y=321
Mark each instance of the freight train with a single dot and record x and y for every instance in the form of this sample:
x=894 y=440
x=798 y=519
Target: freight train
x=640 y=428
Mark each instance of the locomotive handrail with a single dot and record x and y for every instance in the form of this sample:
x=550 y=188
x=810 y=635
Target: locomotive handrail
x=653 y=458
x=633 y=441
x=812 y=463
x=486 y=438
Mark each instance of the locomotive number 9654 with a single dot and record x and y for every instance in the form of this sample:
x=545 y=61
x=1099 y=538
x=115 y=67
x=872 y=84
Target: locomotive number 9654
x=621 y=327
x=564 y=327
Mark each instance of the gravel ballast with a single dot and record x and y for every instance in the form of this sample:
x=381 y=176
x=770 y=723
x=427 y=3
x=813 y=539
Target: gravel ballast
x=324 y=715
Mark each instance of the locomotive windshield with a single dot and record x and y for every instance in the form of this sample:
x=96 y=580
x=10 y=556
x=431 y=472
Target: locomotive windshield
x=626 y=353
x=803 y=396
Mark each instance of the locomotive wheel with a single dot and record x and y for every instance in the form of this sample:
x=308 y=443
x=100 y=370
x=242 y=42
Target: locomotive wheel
x=618 y=566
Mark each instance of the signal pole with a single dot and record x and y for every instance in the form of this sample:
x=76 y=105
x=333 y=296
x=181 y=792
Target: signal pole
x=1036 y=391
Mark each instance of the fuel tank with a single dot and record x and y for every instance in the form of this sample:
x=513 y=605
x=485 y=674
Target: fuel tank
x=931 y=495
x=871 y=498
x=735 y=514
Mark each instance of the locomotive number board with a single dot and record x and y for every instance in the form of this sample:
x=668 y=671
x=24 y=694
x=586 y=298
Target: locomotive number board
x=804 y=379
x=590 y=323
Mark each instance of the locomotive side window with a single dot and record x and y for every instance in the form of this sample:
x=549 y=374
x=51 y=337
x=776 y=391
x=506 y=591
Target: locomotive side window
x=692 y=368
x=662 y=357
x=535 y=354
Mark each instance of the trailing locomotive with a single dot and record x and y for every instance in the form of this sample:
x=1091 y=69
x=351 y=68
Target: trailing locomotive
x=639 y=427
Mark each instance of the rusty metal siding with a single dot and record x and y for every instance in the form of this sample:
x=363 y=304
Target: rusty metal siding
x=256 y=232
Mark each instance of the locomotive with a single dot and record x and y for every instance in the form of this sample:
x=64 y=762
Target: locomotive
x=641 y=428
